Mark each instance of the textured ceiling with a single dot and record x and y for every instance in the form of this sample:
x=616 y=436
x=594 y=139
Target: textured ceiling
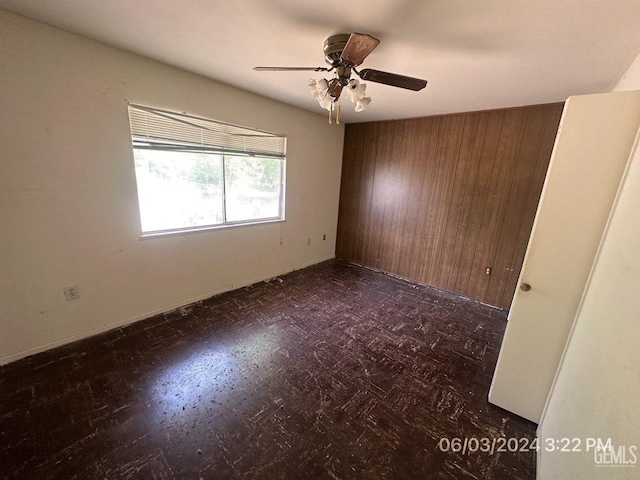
x=476 y=54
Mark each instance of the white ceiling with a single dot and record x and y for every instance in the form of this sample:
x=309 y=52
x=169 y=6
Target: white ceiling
x=476 y=54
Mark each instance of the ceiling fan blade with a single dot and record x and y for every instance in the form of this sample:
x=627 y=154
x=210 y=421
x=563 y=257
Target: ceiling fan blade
x=291 y=69
x=392 y=79
x=358 y=47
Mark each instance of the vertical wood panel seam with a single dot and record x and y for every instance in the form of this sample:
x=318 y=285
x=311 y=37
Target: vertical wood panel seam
x=486 y=200
x=457 y=157
x=430 y=158
x=500 y=225
x=551 y=115
x=476 y=179
x=530 y=186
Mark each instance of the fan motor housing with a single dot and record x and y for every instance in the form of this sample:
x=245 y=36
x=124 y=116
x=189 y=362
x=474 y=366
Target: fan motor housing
x=333 y=47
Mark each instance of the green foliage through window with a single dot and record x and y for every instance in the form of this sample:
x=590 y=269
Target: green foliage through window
x=186 y=189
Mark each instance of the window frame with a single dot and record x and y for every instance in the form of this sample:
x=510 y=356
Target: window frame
x=281 y=217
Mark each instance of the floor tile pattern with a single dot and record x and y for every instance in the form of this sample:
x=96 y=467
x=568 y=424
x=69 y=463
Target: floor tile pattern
x=334 y=371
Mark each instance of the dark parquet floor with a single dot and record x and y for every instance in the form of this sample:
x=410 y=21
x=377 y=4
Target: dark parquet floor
x=334 y=371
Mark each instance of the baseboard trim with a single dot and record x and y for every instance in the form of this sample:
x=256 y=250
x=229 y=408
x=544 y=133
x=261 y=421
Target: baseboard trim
x=410 y=280
x=14 y=357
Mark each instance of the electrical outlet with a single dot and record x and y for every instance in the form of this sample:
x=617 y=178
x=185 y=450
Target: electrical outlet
x=487 y=271
x=71 y=293
x=324 y=237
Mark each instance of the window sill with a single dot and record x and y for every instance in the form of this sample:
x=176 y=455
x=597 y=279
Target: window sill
x=208 y=228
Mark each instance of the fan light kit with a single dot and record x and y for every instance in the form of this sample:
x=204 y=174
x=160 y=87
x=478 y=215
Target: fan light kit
x=344 y=52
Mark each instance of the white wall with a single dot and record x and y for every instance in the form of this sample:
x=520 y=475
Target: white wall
x=68 y=199
x=631 y=79
x=596 y=391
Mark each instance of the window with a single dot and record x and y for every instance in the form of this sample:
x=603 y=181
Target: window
x=193 y=173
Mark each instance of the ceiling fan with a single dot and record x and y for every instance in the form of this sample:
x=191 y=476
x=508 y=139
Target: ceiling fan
x=343 y=53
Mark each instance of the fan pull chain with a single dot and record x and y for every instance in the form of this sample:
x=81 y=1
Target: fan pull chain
x=338 y=115
x=330 y=112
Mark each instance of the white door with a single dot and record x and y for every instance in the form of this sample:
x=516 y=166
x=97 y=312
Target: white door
x=592 y=147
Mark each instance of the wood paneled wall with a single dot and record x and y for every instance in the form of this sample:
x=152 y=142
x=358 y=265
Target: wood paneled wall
x=440 y=199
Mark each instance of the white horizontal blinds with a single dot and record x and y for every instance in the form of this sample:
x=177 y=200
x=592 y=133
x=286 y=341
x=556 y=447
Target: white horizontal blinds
x=156 y=129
